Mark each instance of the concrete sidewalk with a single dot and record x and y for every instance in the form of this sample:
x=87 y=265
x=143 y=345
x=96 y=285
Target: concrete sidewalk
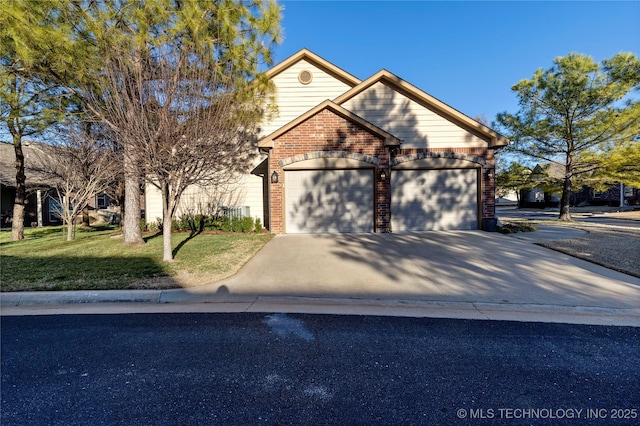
x=457 y=274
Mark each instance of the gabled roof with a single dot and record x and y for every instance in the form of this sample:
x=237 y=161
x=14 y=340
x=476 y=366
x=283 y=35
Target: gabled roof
x=316 y=60
x=494 y=138
x=390 y=140
x=36 y=155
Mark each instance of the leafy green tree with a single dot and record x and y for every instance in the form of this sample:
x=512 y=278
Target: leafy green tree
x=572 y=108
x=29 y=106
x=618 y=163
x=513 y=178
x=135 y=65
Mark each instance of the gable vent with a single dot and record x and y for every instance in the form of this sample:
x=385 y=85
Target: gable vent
x=305 y=77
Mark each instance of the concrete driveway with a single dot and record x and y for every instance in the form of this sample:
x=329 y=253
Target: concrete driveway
x=463 y=274
x=455 y=266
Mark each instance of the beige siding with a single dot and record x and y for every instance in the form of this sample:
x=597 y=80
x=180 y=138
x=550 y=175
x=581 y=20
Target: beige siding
x=244 y=191
x=294 y=98
x=414 y=124
x=152 y=204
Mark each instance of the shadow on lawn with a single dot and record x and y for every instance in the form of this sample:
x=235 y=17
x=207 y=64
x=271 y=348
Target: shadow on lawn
x=181 y=244
x=191 y=236
x=20 y=273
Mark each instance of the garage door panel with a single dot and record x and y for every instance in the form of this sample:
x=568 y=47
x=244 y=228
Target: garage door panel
x=425 y=200
x=329 y=201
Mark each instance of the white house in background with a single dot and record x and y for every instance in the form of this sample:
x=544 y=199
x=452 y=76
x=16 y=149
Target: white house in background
x=345 y=155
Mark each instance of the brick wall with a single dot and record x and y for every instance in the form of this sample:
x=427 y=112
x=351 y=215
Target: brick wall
x=327 y=131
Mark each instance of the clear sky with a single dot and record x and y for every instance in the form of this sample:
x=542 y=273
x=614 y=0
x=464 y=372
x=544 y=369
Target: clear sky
x=468 y=54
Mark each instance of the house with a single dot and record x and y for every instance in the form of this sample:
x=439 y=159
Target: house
x=351 y=155
x=546 y=190
x=42 y=205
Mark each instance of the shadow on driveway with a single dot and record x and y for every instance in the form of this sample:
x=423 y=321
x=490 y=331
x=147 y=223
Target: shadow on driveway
x=453 y=266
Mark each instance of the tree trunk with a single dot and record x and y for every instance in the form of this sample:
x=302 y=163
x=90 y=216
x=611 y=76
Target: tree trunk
x=17 y=226
x=565 y=214
x=70 y=230
x=167 y=250
x=131 y=221
x=167 y=216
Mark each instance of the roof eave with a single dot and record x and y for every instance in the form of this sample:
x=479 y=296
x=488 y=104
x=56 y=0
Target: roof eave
x=305 y=54
x=494 y=139
x=390 y=140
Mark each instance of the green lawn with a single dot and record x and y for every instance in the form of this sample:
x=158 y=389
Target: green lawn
x=97 y=260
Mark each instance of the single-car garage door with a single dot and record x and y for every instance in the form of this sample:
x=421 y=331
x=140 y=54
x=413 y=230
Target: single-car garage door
x=430 y=200
x=319 y=201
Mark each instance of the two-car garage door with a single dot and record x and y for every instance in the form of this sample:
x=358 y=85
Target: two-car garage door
x=432 y=200
x=318 y=201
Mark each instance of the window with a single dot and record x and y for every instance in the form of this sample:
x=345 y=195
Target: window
x=102 y=201
x=55 y=210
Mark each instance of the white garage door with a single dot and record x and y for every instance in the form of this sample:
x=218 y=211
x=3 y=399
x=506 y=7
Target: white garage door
x=329 y=201
x=431 y=200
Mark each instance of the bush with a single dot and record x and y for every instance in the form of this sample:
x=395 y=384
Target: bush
x=246 y=224
x=223 y=224
x=512 y=228
x=185 y=223
x=236 y=224
x=199 y=223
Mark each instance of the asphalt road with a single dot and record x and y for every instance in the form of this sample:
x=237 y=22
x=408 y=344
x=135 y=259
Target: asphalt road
x=204 y=369
x=541 y=214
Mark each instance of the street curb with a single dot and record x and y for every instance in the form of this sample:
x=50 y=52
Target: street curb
x=32 y=298
x=178 y=300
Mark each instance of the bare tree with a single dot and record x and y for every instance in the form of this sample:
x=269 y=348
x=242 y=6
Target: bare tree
x=80 y=168
x=187 y=121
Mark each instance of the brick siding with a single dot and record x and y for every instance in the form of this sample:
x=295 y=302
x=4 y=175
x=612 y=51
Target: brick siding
x=327 y=132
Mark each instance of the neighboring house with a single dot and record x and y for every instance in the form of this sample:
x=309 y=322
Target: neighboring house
x=42 y=200
x=546 y=183
x=545 y=191
x=610 y=197
x=346 y=155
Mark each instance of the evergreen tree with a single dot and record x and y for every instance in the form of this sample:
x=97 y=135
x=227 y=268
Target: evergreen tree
x=572 y=108
x=145 y=50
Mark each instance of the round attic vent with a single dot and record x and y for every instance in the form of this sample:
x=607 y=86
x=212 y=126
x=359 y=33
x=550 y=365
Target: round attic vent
x=305 y=77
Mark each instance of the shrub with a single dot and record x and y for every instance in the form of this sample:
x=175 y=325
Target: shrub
x=224 y=224
x=236 y=224
x=512 y=228
x=198 y=223
x=185 y=222
x=246 y=224
x=201 y=222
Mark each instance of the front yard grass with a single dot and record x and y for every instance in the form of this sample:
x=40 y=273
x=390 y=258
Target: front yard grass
x=616 y=248
x=97 y=260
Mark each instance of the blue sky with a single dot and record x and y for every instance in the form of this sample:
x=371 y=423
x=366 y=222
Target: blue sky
x=468 y=54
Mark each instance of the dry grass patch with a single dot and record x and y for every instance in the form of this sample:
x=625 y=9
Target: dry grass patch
x=615 y=248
